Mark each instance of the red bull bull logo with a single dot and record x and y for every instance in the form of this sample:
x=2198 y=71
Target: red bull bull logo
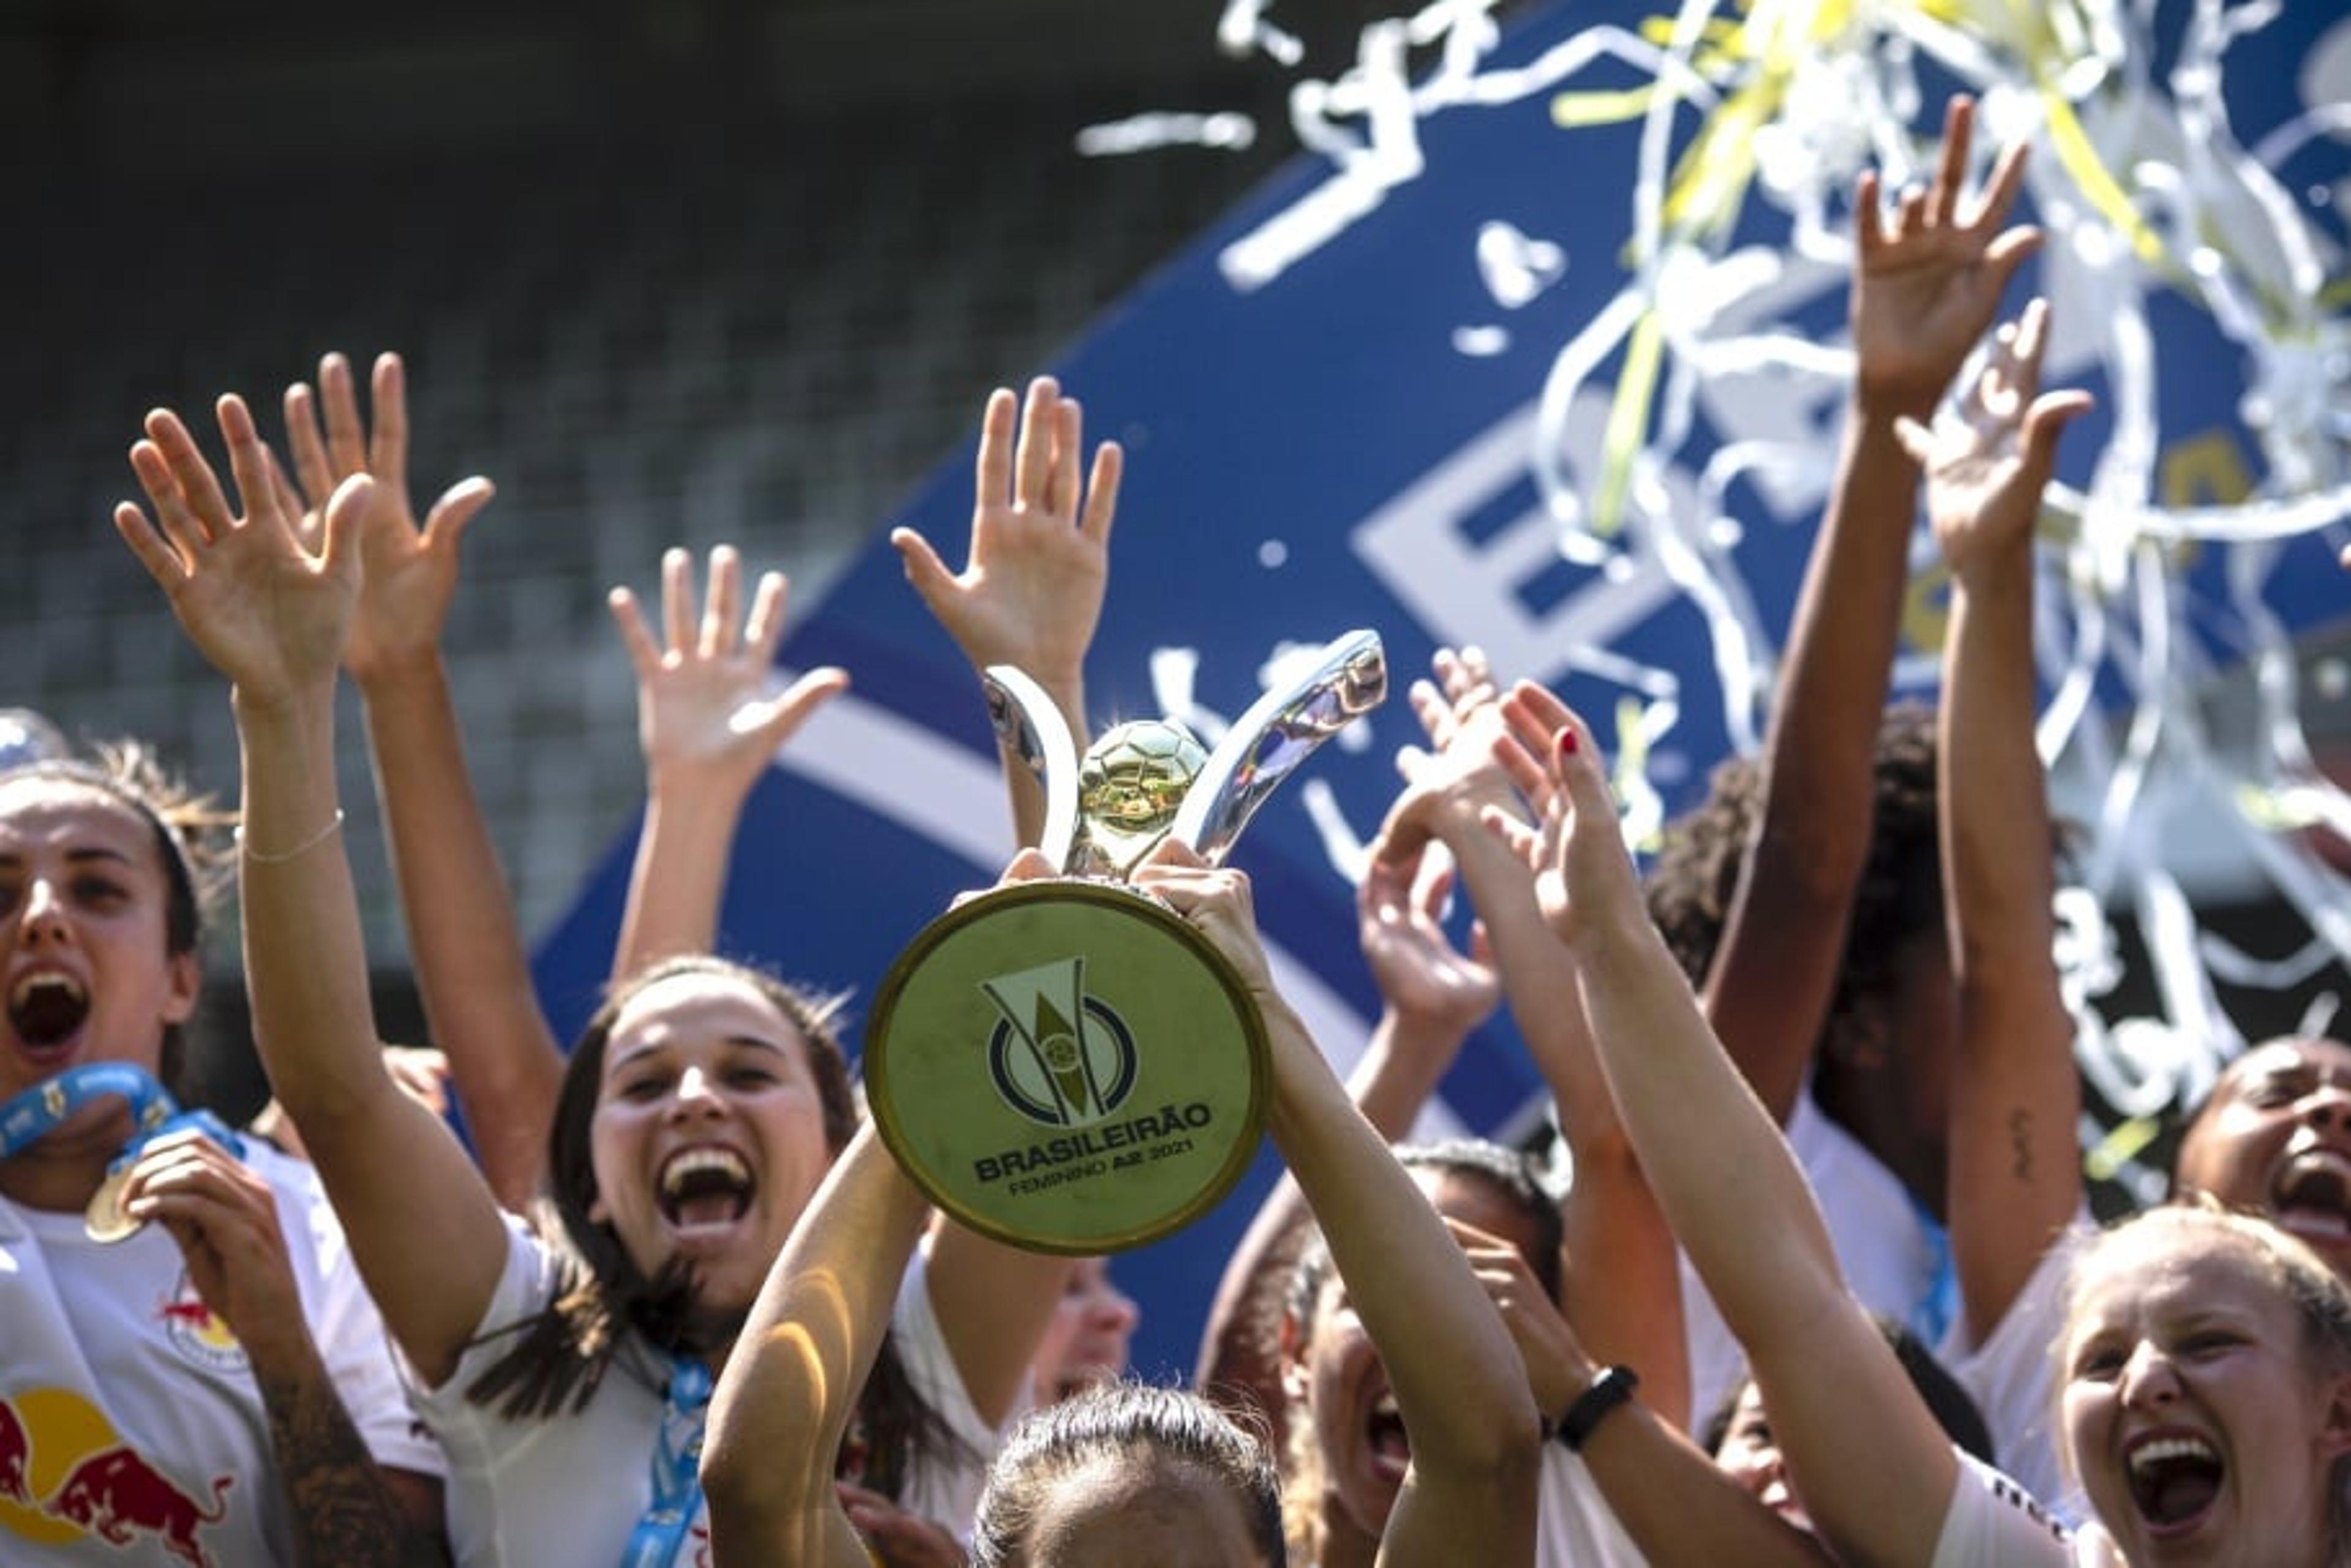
x=198 y=1334
x=67 y=1475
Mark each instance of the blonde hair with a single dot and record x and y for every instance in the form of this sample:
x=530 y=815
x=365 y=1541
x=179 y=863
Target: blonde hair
x=2321 y=1300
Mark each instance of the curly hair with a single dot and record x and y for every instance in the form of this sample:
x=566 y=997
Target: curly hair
x=1696 y=873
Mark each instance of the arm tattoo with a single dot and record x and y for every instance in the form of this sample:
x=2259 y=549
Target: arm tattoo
x=2020 y=1140
x=343 y=1512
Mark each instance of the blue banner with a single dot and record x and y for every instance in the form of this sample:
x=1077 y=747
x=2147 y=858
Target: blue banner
x=1346 y=405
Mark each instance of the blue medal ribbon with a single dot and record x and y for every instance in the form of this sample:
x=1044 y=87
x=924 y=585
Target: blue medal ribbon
x=661 y=1535
x=39 y=1111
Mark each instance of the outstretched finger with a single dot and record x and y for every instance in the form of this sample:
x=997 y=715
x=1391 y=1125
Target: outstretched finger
x=388 y=402
x=1915 y=439
x=198 y=485
x=722 y=605
x=1959 y=122
x=995 y=467
x=1068 y=452
x=1102 y=493
x=308 y=446
x=1868 y=237
x=799 y=701
x=339 y=393
x=1534 y=714
x=2000 y=192
x=644 y=653
x=458 y=506
x=346 y=510
x=1582 y=773
x=1911 y=214
x=1525 y=842
x=1429 y=706
x=2022 y=365
x=248 y=461
x=1519 y=759
x=162 y=562
x=306 y=522
x=934 y=583
x=182 y=526
x=766 y=628
x=2044 y=423
x=2009 y=252
x=1033 y=462
x=677 y=599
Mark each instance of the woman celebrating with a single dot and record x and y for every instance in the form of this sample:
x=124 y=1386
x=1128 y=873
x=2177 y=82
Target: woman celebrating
x=2206 y=1365
x=686 y=1141
x=211 y=1387
x=1468 y=1495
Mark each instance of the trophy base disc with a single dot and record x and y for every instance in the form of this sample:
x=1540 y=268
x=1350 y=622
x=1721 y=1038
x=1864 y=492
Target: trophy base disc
x=1067 y=1067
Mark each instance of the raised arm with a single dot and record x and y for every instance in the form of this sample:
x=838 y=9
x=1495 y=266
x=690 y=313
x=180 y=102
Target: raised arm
x=272 y=617
x=1459 y=1382
x=1874 y=1468
x=790 y=1386
x=472 y=973
x=2015 y=1168
x=1030 y=591
x=1432 y=997
x=709 y=724
x=1622 y=1288
x=1676 y=1503
x=1925 y=283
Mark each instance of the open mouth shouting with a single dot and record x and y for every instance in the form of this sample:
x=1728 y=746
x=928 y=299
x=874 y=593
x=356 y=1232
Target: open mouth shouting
x=46 y=1008
x=2311 y=1199
x=704 y=1191
x=2174 y=1480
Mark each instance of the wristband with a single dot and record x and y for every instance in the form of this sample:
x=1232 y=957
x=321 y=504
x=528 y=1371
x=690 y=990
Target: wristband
x=1612 y=1388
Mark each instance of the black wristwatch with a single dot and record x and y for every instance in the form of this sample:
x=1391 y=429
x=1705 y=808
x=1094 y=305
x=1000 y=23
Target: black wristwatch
x=1612 y=1387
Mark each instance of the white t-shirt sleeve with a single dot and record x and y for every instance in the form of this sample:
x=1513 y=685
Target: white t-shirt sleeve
x=1994 y=1522
x=1574 y=1526
x=2011 y=1374
x=348 y=1329
x=944 y=1492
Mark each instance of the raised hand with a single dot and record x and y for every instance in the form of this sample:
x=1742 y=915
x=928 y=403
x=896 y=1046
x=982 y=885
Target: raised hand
x=410 y=572
x=1030 y=591
x=1419 y=973
x=1447 y=785
x=270 y=613
x=224 y=1218
x=1987 y=464
x=1928 y=277
x=1576 y=849
x=705 y=712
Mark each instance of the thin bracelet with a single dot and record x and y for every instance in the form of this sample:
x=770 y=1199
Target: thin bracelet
x=256 y=858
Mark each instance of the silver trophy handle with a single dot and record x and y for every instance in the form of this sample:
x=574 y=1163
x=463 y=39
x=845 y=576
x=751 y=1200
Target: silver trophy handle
x=1279 y=731
x=1029 y=722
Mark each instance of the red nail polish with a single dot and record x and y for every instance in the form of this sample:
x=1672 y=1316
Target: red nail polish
x=1567 y=742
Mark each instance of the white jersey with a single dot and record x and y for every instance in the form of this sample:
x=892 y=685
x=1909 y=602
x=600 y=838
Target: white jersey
x=131 y=1430
x=1992 y=1522
x=570 y=1489
x=1892 y=1258
x=2013 y=1375
x=1574 y=1527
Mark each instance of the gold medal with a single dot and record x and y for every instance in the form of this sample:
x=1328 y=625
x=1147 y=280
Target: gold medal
x=106 y=1219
